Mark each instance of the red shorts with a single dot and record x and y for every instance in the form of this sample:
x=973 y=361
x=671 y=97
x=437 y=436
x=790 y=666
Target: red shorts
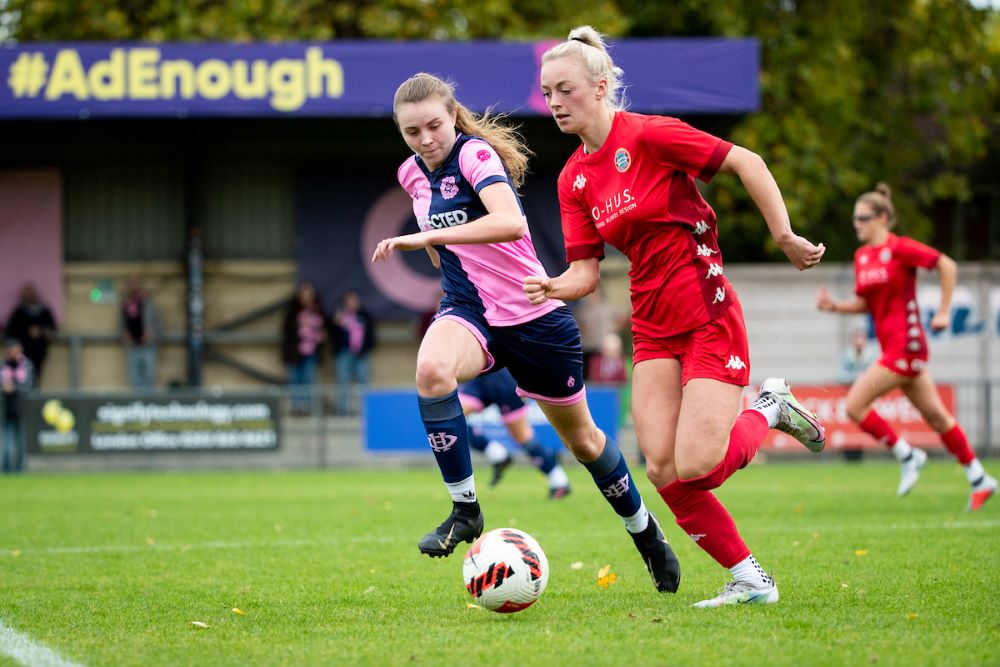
x=717 y=350
x=907 y=365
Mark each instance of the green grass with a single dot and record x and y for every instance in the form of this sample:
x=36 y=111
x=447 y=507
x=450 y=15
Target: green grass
x=112 y=568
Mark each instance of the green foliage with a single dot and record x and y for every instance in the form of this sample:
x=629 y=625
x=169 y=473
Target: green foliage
x=853 y=92
x=111 y=570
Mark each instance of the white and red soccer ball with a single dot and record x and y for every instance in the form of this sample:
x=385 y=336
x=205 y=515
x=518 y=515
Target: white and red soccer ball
x=505 y=570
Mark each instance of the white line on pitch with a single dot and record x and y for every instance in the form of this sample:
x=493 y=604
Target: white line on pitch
x=26 y=651
x=242 y=544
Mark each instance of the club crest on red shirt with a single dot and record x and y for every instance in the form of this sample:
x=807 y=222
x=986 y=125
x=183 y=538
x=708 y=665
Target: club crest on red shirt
x=623 y=160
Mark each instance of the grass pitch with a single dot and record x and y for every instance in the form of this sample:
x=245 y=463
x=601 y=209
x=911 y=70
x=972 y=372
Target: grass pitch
x=112 y=570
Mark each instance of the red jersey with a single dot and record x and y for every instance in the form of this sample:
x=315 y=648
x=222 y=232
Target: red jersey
x=638 y=193
x=885 y=276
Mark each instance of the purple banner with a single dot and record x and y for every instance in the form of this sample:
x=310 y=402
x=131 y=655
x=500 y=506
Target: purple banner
x=350 y=78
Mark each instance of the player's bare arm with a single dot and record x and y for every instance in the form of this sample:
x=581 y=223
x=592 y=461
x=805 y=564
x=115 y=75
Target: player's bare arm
x=579 y=280
x=763 y=189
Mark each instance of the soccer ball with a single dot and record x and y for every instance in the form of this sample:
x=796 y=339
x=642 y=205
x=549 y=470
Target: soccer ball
x=505 y=570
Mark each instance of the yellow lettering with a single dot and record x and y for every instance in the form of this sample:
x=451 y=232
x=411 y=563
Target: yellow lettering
x=142 y=73
x=67 y=77
x=250 y=87
x=173 y=72
x=107 y=77
x=320 y=68
x=287 y=84
x=214 y=81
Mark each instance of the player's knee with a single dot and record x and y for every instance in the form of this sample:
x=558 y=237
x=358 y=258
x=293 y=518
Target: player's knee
x=660 y=473
x=856 y=412
x=942 y=423
x=434 y=377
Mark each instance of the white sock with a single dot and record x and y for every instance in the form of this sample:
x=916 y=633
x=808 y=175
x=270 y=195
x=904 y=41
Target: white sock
x=638 y=521
x=749 y=571
x=767 y=405
x=557 y=478
x=495 y=452
x=464 y=491
x=901 y=450
x=974 y=472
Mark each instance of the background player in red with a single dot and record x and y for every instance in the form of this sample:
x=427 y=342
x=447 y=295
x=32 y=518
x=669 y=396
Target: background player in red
x=462 y=178
x=632 y=184
x=885 y=284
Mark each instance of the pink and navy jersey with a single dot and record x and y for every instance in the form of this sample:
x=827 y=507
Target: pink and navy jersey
x=487 y=278
x=638 y=193
x=885 y=276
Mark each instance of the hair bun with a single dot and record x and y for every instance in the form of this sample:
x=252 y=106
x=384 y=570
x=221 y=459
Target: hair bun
x=883 y=189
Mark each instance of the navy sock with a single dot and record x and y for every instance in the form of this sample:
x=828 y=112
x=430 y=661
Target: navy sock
x=448 y=435
x=477 y=440
x=541 y=456
x=612 y=476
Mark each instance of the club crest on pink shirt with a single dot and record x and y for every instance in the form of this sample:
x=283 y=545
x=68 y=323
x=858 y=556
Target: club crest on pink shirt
x=483 y=155
x=448 y=187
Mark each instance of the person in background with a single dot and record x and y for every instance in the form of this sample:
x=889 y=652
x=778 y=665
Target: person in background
x=608 y=365
x=885 y=285
x=631 y=184
x=597 y=318
x=303 y=333
x=500 y=389
x=139 y=326
x=15 y=379
x=857 y=357
x=31 y=322
x=353 y=341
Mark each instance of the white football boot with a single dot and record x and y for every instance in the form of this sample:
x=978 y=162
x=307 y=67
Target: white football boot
x=793 y=418
x=909 y=471
x=741 y=592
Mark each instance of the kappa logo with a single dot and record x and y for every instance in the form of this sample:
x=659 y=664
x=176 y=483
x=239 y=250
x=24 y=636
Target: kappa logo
x=579 y=182
x=697 y=536
x=735 y=363
x=704 y=251
x=623 y=160
x=441 y=442
x=720 y=295
x=713 y=270
x=618 y=489
x=901 y=364
x=863 y=260
x=700 y=228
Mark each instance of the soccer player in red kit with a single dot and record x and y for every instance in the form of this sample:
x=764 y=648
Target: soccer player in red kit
x=885 y=284
x=631 y=184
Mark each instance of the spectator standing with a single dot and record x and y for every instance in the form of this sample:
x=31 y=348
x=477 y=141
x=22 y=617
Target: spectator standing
x=139 y=326
x=856 y=358
x=31 y=322
x=597 y=318
x=607 y=366
x=15 y=379
x=353 y=341
x=302 y=339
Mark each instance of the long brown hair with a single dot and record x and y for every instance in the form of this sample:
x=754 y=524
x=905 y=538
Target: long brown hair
x=505 y=140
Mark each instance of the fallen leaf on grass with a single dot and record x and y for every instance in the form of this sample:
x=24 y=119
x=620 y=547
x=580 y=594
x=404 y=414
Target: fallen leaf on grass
x=239 y=612
x=469 y=605
x=198 y=624
x=912 y=615
x=576 y=566
x=606 y=577
x=844 y=586
x=370 y=589
x=15 y=553
x=861 y=552
x=150 y=541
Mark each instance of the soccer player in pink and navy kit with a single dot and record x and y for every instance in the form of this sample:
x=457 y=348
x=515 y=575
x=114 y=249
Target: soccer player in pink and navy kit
x=462 y=179
x=632 y=184
x=885 y=284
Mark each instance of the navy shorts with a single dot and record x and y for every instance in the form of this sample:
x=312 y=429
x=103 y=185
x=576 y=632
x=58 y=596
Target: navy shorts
x=544 y=355
x=498 y=388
